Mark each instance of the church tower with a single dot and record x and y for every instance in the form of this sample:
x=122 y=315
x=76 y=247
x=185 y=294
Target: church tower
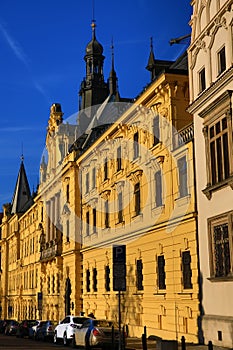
x=94 y=90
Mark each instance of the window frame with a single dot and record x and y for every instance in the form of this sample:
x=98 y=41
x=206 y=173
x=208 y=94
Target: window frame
x=139 y=275
x=221 y=64
x=119 y=159
x=219 y=220
x=137 y=198
x=214 y=113
x=183 y=186
x=136 y=152
x=202 y=79
x=161 y=281
x=186 y=270
x=158 y=194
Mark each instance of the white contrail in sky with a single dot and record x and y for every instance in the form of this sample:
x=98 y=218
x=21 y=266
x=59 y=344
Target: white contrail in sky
x=20 y=54
x=16 y=48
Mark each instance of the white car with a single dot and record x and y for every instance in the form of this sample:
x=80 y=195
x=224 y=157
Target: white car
x=66 y=328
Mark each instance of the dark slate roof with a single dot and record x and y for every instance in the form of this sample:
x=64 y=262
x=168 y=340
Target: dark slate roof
x=22 y=198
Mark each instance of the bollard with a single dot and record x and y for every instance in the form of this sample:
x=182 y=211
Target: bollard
x=210 y=345
x=183 y=344
x=144 y=343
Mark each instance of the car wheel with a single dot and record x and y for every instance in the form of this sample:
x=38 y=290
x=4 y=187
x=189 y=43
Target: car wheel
x=55 y=338
x=65 y=340
x=74 y=342
x=87 y=346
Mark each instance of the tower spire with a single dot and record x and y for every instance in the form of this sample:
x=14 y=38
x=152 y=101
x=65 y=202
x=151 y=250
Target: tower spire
x=151 y=61
x=112 y=76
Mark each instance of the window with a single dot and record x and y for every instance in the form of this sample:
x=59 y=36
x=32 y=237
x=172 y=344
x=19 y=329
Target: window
x=68 y=193
x=48 y=285
x=202 y=80
x=137 y=199
x=220 y=233
x=161 y=272
x=119 y=163
x=94 y=279
x=182 y=173
x=93 y=178
x=186 y=268
x=107 y=278
x=156 y=131
x=87 y=183
x=158 y=189
x=88 y=282
x=219 y=151
x=139 y=274
x=106 y=207
x=120 y=207
x=135 y=145
x=105 y=169
x=221 y=60
x=87 y=223
x=67 y=231
x=94 y=219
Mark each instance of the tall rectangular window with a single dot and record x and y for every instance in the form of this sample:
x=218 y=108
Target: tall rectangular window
x=186 y=269
x=137 y=199
x=68 y=193
x=105 y=169
x=88 y=282
x=87 y=182
x=219 y=151
x=94 y=272
x=158 y=189
x=106 y=208
x=107 y=278
x=94 y=220
x=87 y=223
x=120 y=207
x=221 y=60
x=119 y=163
x=135 y=145
x=182 y=173
x=67 y=231
x=139 y=274
x=221 y=245
x=161 y=272
x=202 y=80
x=93 y=177
x=156 y=130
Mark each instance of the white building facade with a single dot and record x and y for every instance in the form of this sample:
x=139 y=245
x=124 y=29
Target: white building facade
x=211 y=87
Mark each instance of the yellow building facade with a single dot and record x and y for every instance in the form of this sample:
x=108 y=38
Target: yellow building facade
x=126 y=179
x=138 y=190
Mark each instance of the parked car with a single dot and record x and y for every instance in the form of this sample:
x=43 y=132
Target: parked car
x=3 y=324
x=46 y=331
x=98 y=333
x=66 y=328
x=33 y=329
x=23 y=329
x=11 y=327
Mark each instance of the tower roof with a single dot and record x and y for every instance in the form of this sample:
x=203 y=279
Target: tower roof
x=22 y=195
x=94 y=47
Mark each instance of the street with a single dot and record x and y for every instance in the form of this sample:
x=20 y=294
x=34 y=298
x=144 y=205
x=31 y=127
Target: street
x=13 y=343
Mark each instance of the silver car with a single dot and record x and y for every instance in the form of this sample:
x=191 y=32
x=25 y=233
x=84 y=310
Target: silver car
x=98 y=333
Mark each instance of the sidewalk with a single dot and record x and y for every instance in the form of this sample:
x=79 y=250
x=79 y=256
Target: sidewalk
x=136 y=344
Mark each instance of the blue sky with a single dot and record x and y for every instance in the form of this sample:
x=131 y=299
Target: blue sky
x=42 y=45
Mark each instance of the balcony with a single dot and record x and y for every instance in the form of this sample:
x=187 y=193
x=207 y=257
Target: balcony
x=183 y=136
x=50 y=250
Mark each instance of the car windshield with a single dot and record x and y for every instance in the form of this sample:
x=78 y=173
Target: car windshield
x=104 y=323
x=79 y=320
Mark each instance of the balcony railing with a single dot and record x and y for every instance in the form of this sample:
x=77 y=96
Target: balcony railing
x=50 y=250
x=183 y=136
